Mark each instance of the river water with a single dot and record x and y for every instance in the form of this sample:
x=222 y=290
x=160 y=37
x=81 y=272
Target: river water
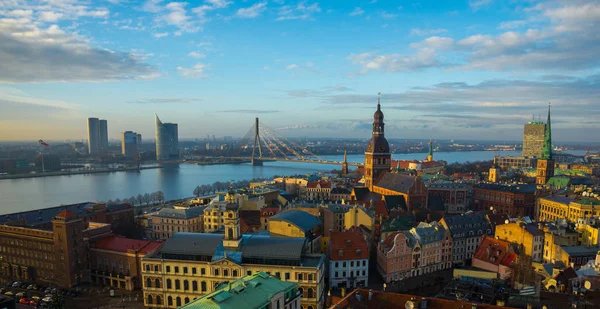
x=176 y=181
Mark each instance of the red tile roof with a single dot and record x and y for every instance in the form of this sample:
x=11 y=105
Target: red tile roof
x=351 y=244
x=66 y=214
x=264 y=212
x=123 y=244
x=430 y=164
x=494 y=251
x=323 y=183
x=380 y=207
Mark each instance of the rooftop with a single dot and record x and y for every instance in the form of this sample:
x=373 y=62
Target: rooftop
x=123 y=244
x=185 y=213
x=581 y=250
x=559 y=199
x=463 y=224
x=494 y=251
x=396 y=182
x=521 y=188
x=302 y=219
x=43 y=216
x=255 y=291
x=348 y=245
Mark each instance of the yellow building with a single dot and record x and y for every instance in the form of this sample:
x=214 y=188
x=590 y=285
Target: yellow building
x=162 y=224
x=588 y=234
x=557 y=207
x=556 y=235
x=358 y=216
x=189 y=265
x=524 y=234
x=297 y=223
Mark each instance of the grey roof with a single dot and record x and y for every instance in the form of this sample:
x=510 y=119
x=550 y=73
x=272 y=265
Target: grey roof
x=435 y=202
x=521 y=188
x=396 y=182
x=338 y=190
x=559 y=199
x=339 y=208
x=430 y=234
x=463 y=224
x=192 y=244
x=42 y=216
x=299 y=218
x=188 y=213
x=395 y=201
x=264 y=246
x=532 y=228
x=581 y=250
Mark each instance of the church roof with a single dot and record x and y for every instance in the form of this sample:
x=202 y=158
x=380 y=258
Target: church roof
x=396 y=182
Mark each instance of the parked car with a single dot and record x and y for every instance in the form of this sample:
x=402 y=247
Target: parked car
x=9 y=283
x=47 y=290
x=31 y=287
x=20 y=294
x=24 y=301
x=24 y=285
x=32 y=303
x=16 y=284
x=9 y=293
x=35 y=297
x=47 y=299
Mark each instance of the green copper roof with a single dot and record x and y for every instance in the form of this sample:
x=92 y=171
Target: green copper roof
x=547 y=149
x=558 y=182
x=251 y=292
x=431 y=148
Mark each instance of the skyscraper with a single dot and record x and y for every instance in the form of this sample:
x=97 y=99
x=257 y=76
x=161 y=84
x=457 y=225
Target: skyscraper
x=167 y=140
x=93 y=136
x=103 y=136
x=533 y=138
x=139 y=139
x=129 y=147
x=545 y=163
x=377 y=157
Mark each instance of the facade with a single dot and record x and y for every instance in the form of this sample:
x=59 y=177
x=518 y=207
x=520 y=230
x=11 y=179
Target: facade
x=510 y=162
x=494 y=173
x=558 y=234
x=411 y=187
x=265 y=214
x=454 y=195
x=358 y=216
x=545 y=165
x=318 y=190
x=55 y=256
x=190 y=265
x=348 y=260
x=494 y=255
x=333 y=217
x=115 y=261
x=432 y=248
x=103 y=133
x=339 y=194
x=525 y=234
x=466 y=231
x=138 y=139
x=169 y=221
x=378 y=159
x=129 y=147
x=552 y=208
x=297 y=223
x=167 y=140
x=93 y=127
x=513 y=200
x=533 y=138
x=576 y=256
x=257 y=291
x=589 y=233
x=394 y=257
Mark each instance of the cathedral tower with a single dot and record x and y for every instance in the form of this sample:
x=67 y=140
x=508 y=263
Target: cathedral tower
x=377 y=157
x=430 y=154
x=545 y=164
x=345 y=164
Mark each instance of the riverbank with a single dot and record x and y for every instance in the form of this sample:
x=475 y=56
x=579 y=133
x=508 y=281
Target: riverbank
x=79 y=172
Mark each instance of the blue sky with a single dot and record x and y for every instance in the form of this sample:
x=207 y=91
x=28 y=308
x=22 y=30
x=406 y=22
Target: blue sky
x=447 y=69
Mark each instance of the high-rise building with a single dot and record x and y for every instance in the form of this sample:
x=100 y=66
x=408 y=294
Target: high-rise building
x=93 y=136
x=167 y=140
x=103 y=136
x=533 y=138
x=545 y=164
x=377 y=157
x=139 y=139
x=129 y=147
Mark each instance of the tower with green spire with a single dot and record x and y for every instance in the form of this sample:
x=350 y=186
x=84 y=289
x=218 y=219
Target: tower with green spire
x=430 y=154
x=545 y=164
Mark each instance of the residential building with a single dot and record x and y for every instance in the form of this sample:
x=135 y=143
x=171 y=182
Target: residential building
x=318 y=190
x=333 y=217
x=257 y=291
x=378 y=158
x=348 y=260
x=545 y=164
x=558 y=234
x=129 y=147
x=513 y=200
x=533 y=138
x=168 y=221
x=190 y=265
x=552 y=208
x=167 y=140
x=115 y=261
x=494 y=255
x=358 y=216
x=93 y=127
x=575 y=256
x=394 y=257
x=411 y=187
x=525 y=234
x=589 y=232
x=340 y=194
x=454 y=195
x=466 y=231
x=297 y=223
x=432 y=248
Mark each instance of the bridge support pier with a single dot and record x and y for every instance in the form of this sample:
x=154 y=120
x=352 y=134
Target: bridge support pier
x=257 y=162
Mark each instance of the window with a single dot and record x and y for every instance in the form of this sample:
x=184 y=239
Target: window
x=310 y=277
x=193 y=270
x=336 y=275
x=168 y=269
x=249 y=273
x=344 y=264
x=352 y=264
x=310 y=293
x=185 y=270
x=155 y=267
x=194 y=286
x=203 y=286
x=176 y=269
x=168 y=283
x=157 y=283
x=186 y=285
x=216 y=272
x=149 y=299
x=187 y=300
x=158 y=300
x=202 y=271
x=178 y=301
x=364 y=263
x=148 y=283
x=225 y=272
x=235 y=273
x=177 y=284
x=299 y=276
x=170 y=301
x=287 y=276
x=147 y=267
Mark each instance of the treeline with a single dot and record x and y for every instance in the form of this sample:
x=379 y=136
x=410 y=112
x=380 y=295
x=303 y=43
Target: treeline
x=140 y=199
x=220 y=186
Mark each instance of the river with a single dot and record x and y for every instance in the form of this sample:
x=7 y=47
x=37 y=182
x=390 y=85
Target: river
x=176 y=181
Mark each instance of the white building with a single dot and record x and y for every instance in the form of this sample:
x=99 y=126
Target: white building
x=349 y=260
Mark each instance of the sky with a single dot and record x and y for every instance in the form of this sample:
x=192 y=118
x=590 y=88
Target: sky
x=473 y=69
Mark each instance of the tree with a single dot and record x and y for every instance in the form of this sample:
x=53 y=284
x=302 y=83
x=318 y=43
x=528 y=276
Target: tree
x=160 y=196
x=153 y=197
x=146 y=198
x=197 y=191
x=118 y=201
x=140 y=199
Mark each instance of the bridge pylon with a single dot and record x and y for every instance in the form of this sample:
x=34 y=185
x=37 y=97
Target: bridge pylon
x=257 y=161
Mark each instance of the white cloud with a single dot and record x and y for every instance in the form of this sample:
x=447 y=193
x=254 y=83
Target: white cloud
x=423 y=32
x=159 y=35
x=31 y=53
x=197 y=71
x=478 y=4
x=435 y=42
x=50 y=16
x=291 y=66
x=196 y=55
x=300 y=11
x=357 y=11
x=424 y=58
x=252 y=11
x=512 y=24
x=387 y=15
x=309 y=64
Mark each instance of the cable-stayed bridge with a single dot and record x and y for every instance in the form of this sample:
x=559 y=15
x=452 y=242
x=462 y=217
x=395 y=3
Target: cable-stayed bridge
x=268 y=145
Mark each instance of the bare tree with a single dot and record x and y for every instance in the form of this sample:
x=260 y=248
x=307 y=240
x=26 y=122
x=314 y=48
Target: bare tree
x=197 y=191
x=140 y=199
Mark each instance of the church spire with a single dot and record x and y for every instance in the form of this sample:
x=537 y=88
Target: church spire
x=345 y=156
x=547 y=149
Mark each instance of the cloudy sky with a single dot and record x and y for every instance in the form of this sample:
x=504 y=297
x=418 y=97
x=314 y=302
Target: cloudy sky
x=474 y=69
